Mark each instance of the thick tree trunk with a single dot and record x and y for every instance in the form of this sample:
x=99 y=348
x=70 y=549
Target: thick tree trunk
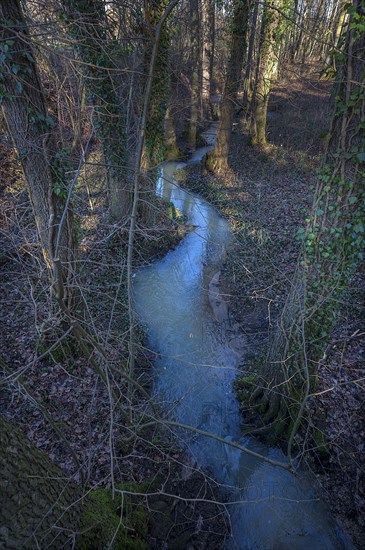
x=154 y=147
x=217 y=160
x=266 y=72
x=32 y=132
x=39 y=506
x=88 y=27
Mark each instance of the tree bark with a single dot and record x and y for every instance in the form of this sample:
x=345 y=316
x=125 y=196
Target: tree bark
x=330 y=65
x=39 y=506
x=88 y=26
x=249 y=71
x=172 y=150
x=195 y=77
x=33 y=135
x=266 y=71
x=154 y=146
x=208 y=40
x=217 y=160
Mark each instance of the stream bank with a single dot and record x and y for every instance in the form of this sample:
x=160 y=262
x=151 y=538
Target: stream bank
x=265 y=195
x=68 y=387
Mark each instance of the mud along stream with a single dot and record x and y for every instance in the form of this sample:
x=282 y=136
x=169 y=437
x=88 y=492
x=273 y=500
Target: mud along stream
x=186 y=324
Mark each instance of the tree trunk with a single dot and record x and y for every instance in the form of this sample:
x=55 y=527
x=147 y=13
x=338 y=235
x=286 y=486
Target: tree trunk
x=195 y=80
x=333 y=247
x=154 y=146
x=172 y=150
x=249 y=72
x=88 y=26
x=266 y=71
x=39 y=506
x=208 y=39
x=217 y=160
x=32 y=132
x=329 y=70
x=298 y=30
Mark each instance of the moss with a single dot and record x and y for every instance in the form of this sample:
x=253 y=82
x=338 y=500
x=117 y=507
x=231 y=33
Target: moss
x=172 y=152
x=320 y=440
x=67 y=351
x=211 y=162
x=180 y=175
x=244 y=382
x=174 y=213
x=116 y=524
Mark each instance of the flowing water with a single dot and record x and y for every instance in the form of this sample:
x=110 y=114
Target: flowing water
x=187 y=326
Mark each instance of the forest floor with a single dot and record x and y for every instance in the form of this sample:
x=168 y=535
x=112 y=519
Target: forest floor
x=266 y=195
x=64 y=384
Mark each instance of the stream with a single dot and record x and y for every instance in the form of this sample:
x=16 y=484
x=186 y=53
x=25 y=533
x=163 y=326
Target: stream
x=186 y=323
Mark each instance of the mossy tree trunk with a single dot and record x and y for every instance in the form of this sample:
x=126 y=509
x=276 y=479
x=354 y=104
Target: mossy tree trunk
x=333 y=244
x=195 y=76
x=207 y=56
x=154 y=146
x=97 y=51
x=217 y=160
x=39 y=506
x=267 y=67
x=172 y=150
x=32 y=131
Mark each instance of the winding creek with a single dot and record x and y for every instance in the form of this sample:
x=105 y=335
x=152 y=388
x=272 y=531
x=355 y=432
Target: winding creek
x=187 y=326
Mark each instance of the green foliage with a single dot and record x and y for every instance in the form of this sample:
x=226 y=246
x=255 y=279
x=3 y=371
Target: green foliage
x=334 y=238
x=15 y=62
x=60 y=164
x=98 y=52
x=180 y=176
x=357 y=19
x=115 y=524
x=172 y=152
x=174 y=213
x=154 y=147
x=282 y=24
x=320 y=441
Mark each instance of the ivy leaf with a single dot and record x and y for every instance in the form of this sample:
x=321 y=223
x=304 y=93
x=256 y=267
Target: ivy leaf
x=352 y=199
x=319 y=212
x=361 y=157
x=300 y=234
x=50 y=121
x=28 y=56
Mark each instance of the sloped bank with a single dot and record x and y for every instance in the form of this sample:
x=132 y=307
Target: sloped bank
x=166 y=487
x=265 y=196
